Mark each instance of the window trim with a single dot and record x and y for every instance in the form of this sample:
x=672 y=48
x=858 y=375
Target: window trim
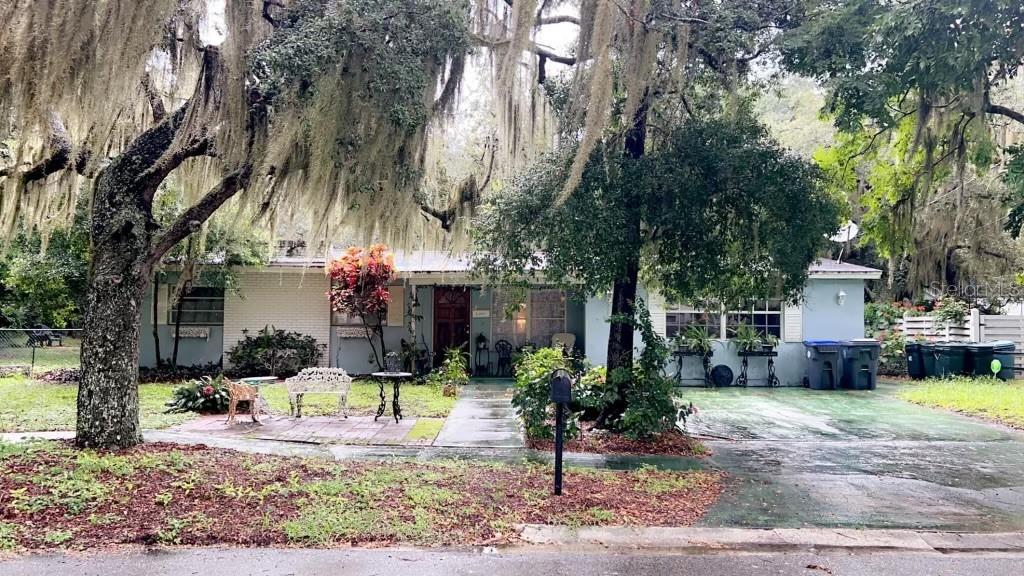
x=723 y=316
x=173 y=309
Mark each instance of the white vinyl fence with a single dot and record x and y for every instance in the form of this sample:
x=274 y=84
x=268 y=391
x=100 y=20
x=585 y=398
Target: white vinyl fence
x=976 y=328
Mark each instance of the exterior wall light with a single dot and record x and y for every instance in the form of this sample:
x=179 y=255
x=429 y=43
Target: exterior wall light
x=841 y=298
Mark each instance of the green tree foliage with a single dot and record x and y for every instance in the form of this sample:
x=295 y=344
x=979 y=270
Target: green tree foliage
x=919 y=90
x=725 y=214
x=728 y=214
x=45 y=285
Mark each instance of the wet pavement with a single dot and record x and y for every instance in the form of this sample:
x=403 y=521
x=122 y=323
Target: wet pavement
x=857 y=459
x=483 y=417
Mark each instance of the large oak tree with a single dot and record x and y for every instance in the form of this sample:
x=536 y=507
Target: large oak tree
x=315 y=105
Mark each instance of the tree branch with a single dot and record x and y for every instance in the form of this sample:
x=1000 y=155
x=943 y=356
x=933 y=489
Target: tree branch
x=193 y=218
x=59 y=146
x=559 y=19
x=267 y=5
x=567 y=60
x=1004 y=111
x=156 y=103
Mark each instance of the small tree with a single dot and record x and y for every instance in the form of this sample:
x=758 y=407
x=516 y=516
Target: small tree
x=359 y=287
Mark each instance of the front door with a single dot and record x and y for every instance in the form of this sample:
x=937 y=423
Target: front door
x=451 y=320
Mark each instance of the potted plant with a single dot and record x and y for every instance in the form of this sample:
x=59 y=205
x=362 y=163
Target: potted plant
x=769 y=342
x=697 y=340
x=747 y=339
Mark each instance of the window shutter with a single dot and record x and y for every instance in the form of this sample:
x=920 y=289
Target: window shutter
x=656 y=305
x=396 y=308
x=792 y=322
x=162 y=299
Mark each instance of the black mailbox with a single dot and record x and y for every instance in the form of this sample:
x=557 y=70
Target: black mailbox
x=561 y=387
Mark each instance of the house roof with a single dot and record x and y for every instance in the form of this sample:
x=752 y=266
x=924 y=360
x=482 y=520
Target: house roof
x=440 y=262
x=834 y=268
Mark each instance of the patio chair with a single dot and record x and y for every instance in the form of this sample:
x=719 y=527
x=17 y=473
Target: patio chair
x=504 y=350
x=238 y=392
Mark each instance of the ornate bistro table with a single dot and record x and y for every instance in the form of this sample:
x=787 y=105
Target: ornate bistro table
x=396 y=379
x=771 y=378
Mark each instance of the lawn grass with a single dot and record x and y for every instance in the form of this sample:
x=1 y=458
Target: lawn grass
x=60 y=497
x=46 y=357
x=425 y=429
x=30 y=406
x=418 y=400
x=984 y=397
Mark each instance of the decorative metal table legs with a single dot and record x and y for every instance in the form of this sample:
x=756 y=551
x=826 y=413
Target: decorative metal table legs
x=383 y=402
x=396 y=408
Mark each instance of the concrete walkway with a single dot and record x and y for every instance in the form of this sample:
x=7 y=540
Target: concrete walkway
x=847 y=459
x=483 y=417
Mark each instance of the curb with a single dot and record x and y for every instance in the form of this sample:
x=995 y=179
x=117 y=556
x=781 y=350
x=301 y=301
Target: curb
x=658 y=539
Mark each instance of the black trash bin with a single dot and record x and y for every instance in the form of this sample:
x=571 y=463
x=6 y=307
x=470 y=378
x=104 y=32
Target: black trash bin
x=983 y=353
x=860 y=363
x=951 y=359
x=915 y=360
x=824 y=364
x=928 y=359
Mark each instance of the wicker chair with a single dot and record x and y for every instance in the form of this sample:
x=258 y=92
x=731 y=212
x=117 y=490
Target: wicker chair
x=238 y=392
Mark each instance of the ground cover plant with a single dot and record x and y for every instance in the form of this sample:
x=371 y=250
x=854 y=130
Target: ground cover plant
x=56 y=496
x=987 y=398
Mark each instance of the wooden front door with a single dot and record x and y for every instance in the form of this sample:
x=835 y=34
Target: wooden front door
x=451 y=320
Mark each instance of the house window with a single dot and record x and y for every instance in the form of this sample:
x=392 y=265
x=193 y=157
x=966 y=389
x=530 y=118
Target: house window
x=509 y=318
x=681 y=318
x=343 y=319
x=200 y=306
x=547 y=315
x=764 y=315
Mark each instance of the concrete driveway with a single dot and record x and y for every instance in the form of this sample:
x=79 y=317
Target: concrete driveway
x=857 y=459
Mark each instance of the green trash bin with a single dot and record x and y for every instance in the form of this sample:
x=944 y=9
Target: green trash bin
x=915 y=360
x=860 y=363
x=983 y=353
x=928 y=359
x=824 y=364
x=951 y=359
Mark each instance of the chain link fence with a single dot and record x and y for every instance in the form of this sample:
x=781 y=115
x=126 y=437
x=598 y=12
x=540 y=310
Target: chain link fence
x=35 y=351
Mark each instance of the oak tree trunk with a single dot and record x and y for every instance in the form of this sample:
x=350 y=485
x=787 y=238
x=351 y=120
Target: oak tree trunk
x=121 y=229
x=621 y=327
x=108 y=393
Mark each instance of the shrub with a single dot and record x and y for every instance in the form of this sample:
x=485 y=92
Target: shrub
x=454 y=372
x=206 y=395
x=167 y=373
x=650 y=407
x=532 y=396
x=274 y=352
x=950 y=312
x=593 y=392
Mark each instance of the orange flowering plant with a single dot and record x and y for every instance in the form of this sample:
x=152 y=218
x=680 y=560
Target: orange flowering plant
x=359 y=288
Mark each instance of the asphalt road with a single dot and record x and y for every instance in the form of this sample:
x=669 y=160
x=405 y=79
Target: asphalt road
x=299 y=562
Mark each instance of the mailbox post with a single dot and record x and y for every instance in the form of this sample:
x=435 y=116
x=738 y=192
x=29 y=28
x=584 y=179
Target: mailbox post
x=561 y=394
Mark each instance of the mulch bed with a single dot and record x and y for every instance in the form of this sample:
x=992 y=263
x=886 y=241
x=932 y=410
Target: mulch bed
x=52 y=495
x=671 y=443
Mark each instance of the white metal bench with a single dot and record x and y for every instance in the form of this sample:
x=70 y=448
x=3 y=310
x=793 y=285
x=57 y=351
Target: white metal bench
x=318 y=381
